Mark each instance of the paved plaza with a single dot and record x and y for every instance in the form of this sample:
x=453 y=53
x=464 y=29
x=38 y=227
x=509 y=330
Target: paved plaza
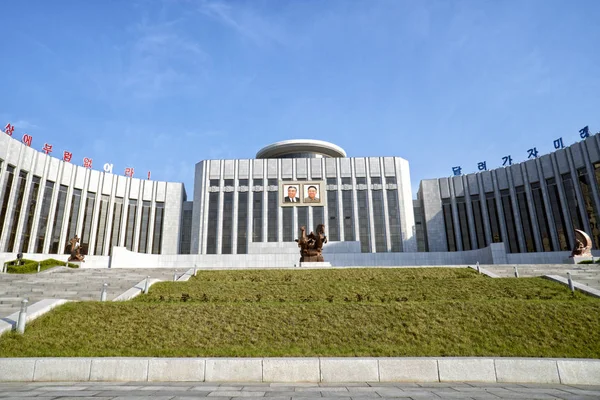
x=288 y=391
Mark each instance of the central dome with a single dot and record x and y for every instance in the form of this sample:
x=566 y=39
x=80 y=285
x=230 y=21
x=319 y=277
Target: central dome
x=301 y=148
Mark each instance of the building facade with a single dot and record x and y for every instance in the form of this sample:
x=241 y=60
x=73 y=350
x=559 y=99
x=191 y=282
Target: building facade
x=242 y=206
x=366 y=199
x=45 y=201
x=533 y=206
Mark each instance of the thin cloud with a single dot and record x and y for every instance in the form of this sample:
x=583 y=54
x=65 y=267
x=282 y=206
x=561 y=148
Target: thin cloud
x=245 y=22
x=24 y=124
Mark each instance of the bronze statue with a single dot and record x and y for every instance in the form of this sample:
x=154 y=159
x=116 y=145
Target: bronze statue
x=75 y=251
x=311 y=246
x=583 y=245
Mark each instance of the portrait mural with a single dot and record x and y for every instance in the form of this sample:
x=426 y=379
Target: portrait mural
x=301 y=193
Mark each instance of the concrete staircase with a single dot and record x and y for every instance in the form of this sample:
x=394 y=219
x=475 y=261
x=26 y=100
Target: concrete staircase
x=586 y=274
x=72 y=284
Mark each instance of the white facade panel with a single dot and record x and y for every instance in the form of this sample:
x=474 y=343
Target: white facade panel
x=14 y=150
x=134 y=188
x=27 y=158
x=374 y=166
x=39 y=164
x=172 y=219
x=148 y=188
x=5 y=141
x=229 y=169
x=161 y=191
x=215 y=169
x=286 y=168
x=360 y=167
x=53 y=165
x=107 y=183
x=243 y=168
x=272 y=169
x=121 y=186
x=389 y=166
x=80 y=174
x=94 y=181
x=316 y=168
x=345 y=168
x=330 y=168
x=301 y=169
x=67 y=173
x=257 y=169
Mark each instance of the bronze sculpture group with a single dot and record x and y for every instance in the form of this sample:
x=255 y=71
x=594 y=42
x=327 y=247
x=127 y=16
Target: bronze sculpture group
x=311 y=245
x=583 y=245
x=75 y=251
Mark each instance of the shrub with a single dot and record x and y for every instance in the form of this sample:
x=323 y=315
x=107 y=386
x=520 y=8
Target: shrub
x=586 y=262
x=30 y=266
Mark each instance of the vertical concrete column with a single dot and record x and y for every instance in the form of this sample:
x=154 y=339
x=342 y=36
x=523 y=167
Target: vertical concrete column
x=340 y=204
x=386 y=211
x=487 y=229
x=125 y=215
x=370 y=208
x=265 y=202
x=570 y=230
x=234 y=221
x=68 y=206
x=111 y=211
x=455 y=217
x=516 y=212
x=220 y=208
x=250 y=228
x=96 y=212
x=326 y=206
x=532 y=212
x=354 y=201
x=547 y=207
x=470 y=217
x=12 y=198
x=500 y=210
x=17 y=244
x=279 y=209
x=53 y=203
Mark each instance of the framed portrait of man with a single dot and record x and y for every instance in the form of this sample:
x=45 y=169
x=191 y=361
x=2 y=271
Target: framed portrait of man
x=311 y=193
x=291 y=194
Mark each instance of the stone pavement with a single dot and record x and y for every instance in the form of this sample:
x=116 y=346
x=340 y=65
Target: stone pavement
x=289 y=391
x=72 y=284
x=587 y=274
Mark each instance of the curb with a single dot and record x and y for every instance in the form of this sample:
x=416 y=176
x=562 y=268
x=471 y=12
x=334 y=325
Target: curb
x=295 y=370
x=579 y=286
x=33 y=311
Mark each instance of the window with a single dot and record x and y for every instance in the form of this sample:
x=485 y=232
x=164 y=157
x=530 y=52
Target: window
x=257 y=213
x=130 y=228
x=43 y=221
x=490 y=200
x=572 y=203
x=116 y=224
x=590 y=205
x=332 y=210
x=348 y=210
x=272 y=214
x=28 y=223
x=88 y=218
x=542 y=218
x=242 y=229
x=73 y=217
x=213 y=219
x=379 y=217
x=102 y=220
x=449 y=224
x=227 y=242
x=478 y=220
x=8 y=181
x=159 y=219
x=59 y=215
x=525 y=219
x=509 y=219
x=559 y=218
x=16 y=211
x=461 y=205
x=288 y=224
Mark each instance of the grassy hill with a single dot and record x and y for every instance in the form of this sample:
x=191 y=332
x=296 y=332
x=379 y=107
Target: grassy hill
x=336 y=312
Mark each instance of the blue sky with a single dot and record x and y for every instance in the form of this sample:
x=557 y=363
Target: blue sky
x=161 y=85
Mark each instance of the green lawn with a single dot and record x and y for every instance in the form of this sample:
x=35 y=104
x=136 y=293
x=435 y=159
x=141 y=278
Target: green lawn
x=352 y=312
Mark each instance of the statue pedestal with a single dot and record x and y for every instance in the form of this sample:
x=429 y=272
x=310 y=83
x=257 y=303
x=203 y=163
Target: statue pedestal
x=578 y=259
x=315 y=264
